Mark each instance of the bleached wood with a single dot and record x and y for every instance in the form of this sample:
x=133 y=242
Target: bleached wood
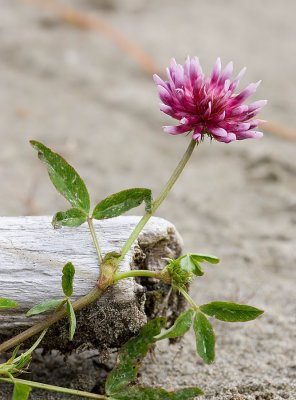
x=32 y=255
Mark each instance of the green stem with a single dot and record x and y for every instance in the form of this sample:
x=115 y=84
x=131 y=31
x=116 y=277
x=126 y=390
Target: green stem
x=52 y=388
x=188 y=298
x=95 y=239
x=93 y=295
x=134 y=273
x=134 y=235
x=34 y=346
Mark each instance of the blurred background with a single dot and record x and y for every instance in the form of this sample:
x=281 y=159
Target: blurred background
x=77 y=75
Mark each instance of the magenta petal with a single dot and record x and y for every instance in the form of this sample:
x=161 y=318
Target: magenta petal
x=164 y=95
x=226 y=85
x=197 y=133
x=256 y=105
x=166 y=109
x=218 y=132
x=226 y=73
x=196 y=136
x=248 y=91
x=231 y=137
x=220 y=117
x=176 y=72
x=249 y=135
x=173 y=63
x=195 y=70
x=187 y=80
x=239 y=110
x=243 y=126
x=209 y=109
x=216 y=71
x=255 y=122
x=236 y=81
x=176 y=130
x=159 y=81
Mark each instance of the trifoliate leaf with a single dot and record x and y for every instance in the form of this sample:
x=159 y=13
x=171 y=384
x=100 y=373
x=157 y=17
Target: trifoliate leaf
x=190 y=264
x=72 y=320
x=64 y=177
x=7 y=303
x=72 y=218
x=148 y=393
x=45 y=306
x=21 y=391
x=180 y=327
x=205 y=338
x=67 y=279
x=231 y=312
x=130 y=356
x=121 y=202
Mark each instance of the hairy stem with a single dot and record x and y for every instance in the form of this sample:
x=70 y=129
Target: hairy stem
x=188 y=298
x=134 y=235
x=134 y=273
x=52 y=388
x=93 y=295
x=95 y=239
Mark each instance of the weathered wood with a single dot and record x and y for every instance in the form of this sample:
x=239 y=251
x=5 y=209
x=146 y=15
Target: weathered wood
x=32 y=255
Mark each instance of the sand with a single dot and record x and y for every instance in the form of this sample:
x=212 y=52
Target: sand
x=79 y=93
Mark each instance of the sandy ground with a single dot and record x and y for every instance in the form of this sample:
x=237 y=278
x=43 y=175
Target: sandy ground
x=77 y=92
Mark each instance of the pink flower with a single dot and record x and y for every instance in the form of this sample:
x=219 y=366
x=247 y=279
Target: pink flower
x=208 y=106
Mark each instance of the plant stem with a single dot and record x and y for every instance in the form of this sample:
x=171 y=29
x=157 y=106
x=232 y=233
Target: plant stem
x=134 y=273
x=52 y=388
x=134 y=235
x=93 y=295
x=95 y=239
x=188 y=298
x=96 y=292
x=34 y=346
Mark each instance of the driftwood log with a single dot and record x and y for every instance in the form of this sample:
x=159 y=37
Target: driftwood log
x=32 y=255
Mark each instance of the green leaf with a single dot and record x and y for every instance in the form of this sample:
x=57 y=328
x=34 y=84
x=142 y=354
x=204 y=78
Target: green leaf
x=73 y=218
x=148 y=393
x=45 y=306
x=190 y=264
x=6 y=303
x=230 y=312
x=21 y=391
x=72 y=320
x=14 y=353
x=64 y=177
x=187 y=393
x=205 y=338
x=180 y=327
x=67 y=279
x=205 y=257
x=121 y=202
x=131 y=354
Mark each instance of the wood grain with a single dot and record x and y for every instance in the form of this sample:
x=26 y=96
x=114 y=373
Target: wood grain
x=32 y=255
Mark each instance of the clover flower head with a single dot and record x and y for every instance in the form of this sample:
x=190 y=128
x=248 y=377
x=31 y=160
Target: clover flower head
x=208 y=105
